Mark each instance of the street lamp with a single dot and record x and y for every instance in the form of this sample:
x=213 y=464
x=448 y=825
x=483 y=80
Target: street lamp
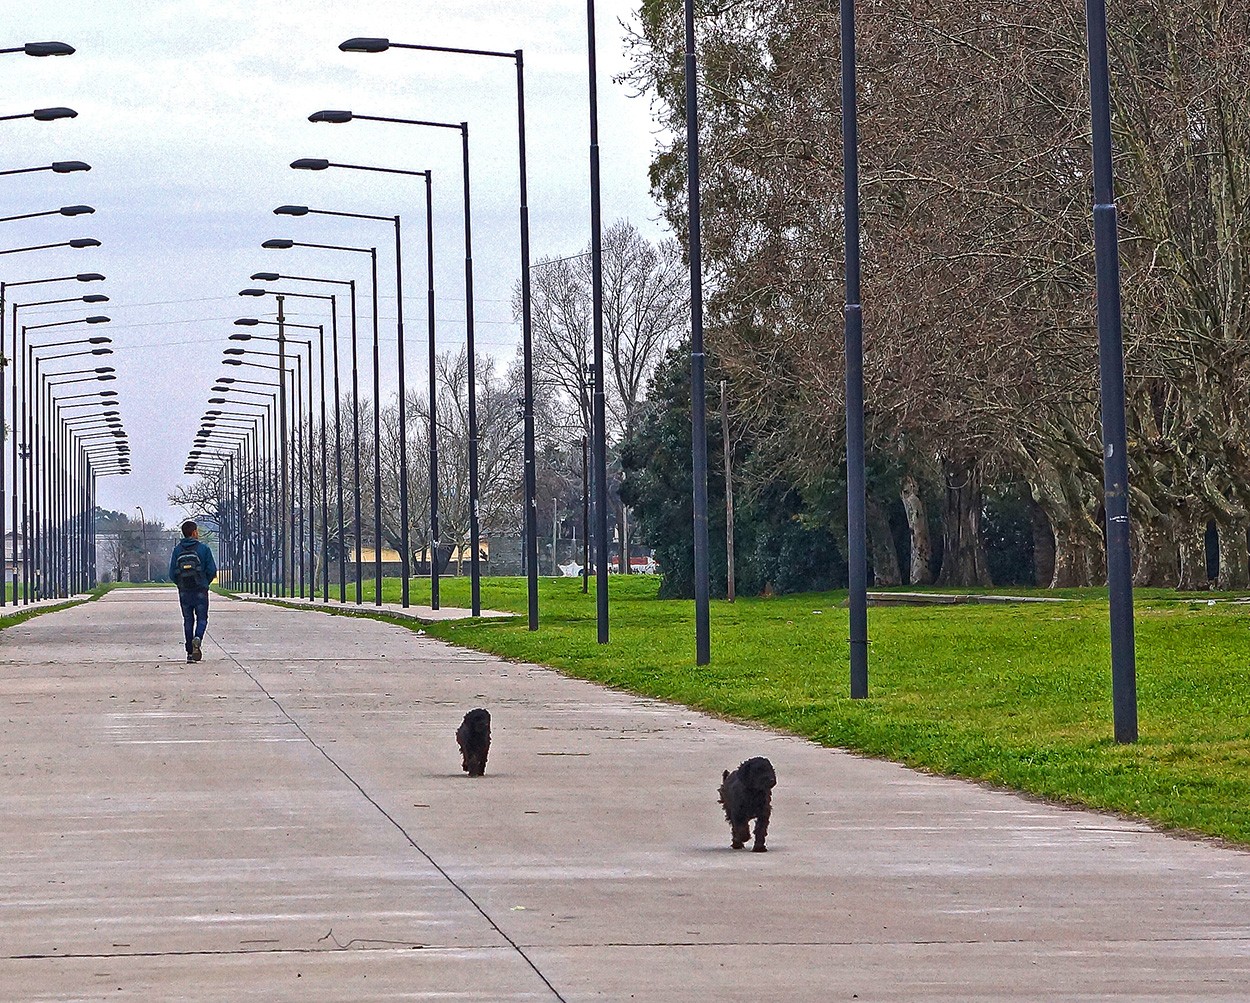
x=339 y=117
x=356 y=502
x=856 y=526
x=77 y=242
x=325 y=516
x=338 y=427
x=531 y=504
x=43 y=115
x=59 y=167
x=143 y=525
x=1111 y=379
x=43 y=49
x=68 y=210
x=282 y=243
x=312 y=164
x=698 y=395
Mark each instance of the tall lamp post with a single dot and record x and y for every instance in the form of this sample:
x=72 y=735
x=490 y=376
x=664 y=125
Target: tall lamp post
x=527 y=341
x=282 y=243
x=475 y=571
x=356 y=504
x=338 y=430
x=599 y=412
x=698 y=396
x=1111 y=374
x=857 y=548
x=314 y=164
x=143 y=525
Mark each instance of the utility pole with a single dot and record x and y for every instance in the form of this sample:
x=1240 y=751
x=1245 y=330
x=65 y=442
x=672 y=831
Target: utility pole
x=729 y=497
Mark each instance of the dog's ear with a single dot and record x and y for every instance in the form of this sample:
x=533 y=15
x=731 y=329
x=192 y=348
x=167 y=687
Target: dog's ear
x=724 y=776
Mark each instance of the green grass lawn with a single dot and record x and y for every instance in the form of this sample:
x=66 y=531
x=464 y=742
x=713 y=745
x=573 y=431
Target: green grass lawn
x=1016 y=695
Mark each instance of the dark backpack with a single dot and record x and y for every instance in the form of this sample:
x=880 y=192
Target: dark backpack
x=189 y=568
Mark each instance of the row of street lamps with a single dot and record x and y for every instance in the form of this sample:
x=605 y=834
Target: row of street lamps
x=59 y=443
x=203 y=460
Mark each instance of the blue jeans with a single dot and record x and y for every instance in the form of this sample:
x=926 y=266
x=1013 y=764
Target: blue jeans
x=194 y=604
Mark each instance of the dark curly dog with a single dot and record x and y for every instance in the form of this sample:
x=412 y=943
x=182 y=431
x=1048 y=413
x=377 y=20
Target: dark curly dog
x=473 y=737
x=747 y=793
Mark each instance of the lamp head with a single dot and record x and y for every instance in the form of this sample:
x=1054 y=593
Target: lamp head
x=265 y=277
x=52 y=114
x=84 y=242
x=225 y=379
x=101 y=351
x=104 y=378
x=108 y=393
x=235 y=351
x=106 y=369
x=217 y=400
x=365 y=45
x=95 y=298
x=89 y=277
x=246 y=322
x=252 y=292
x=310 y=164
x=232 y=362
x=48 y=49
x=69 y=166
x=97 y=320
x=76 y=210
x=291 y=210
x=240 y=336
x=337 y=117
x=278 y=244
x=99 y=340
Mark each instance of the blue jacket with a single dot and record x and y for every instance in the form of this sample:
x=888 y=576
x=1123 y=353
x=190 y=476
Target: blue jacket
x=207 y=563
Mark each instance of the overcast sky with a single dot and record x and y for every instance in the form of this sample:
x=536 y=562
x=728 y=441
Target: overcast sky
x=190 y=112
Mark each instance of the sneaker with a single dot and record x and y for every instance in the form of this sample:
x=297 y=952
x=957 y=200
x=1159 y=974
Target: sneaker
x=190 y=659
x=196 y=653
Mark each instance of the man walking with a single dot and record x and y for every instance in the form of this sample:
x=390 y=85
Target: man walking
x=193 y=569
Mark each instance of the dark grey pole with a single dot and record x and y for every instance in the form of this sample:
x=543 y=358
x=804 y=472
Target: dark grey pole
x=4 y=576
x=356 y=514
x=377 y=435
x=698 y=401
x=585 y=515
x=527 y=349
x=404 y=544
x=429 y=265
x=1111 y=373
x=282 y=449
x=338 y=447
x=325 y=485
x=596 y=282
x=475 y=531
x=857 y=553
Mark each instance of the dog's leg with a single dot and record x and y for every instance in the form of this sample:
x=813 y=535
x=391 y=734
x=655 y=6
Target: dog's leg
x=761 y=831
x=741 y=832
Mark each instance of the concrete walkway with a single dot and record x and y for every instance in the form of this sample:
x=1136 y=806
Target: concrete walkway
x=287 y=821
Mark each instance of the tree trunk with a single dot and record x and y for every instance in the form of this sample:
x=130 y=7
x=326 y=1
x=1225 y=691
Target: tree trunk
x=964 y=561
x=1191 y=544
x=918 y=522
x=1156 y=563
x=1043 y=546
x=1234 y=566
x=885 y=569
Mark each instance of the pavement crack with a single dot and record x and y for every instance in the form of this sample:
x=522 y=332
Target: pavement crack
x=395 y=822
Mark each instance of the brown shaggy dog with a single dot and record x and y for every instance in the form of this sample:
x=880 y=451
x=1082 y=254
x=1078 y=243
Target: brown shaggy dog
x=473 y=737
x=747 y=793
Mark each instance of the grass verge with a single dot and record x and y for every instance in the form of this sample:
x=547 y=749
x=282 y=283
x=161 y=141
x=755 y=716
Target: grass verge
x=1013 y=695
